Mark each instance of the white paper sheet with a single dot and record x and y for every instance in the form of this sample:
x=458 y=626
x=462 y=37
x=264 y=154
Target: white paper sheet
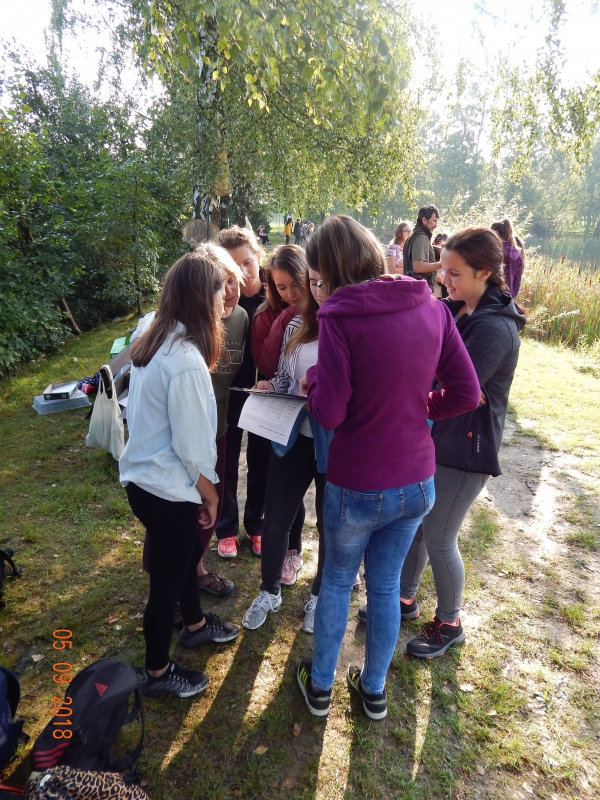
x=271 y=417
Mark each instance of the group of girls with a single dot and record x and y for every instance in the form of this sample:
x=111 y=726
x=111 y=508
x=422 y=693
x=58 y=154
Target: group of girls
x=406 y=401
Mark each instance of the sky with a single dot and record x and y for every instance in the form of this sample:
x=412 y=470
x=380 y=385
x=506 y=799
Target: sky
x=512 y=27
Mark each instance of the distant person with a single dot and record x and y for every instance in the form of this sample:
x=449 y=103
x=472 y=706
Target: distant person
x=297 y=230
x=394 y=252
x=438 y=244
x=514 y=255
x=287 y=230
x=419 y=256
x=262 y=235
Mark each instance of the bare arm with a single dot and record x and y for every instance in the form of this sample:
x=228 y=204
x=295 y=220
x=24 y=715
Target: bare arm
x=424 y=266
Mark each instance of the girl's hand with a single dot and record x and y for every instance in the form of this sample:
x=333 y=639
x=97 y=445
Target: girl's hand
x=482 y=399
x=265 y=386
x=208 y=513
x=304 y=386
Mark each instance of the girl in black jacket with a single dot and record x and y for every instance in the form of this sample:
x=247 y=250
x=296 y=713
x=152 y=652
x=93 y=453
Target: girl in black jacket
x=466 y=447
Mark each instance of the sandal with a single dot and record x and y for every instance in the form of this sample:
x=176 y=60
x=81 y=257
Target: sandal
x=215 y=584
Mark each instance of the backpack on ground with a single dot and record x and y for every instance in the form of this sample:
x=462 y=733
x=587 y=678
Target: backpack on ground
x=99 y=699
x=66 y=783
x=7 y=567
x=10 y=731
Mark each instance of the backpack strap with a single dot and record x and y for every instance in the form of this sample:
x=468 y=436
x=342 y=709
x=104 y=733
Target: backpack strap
x=6 y=556
x=129 y=759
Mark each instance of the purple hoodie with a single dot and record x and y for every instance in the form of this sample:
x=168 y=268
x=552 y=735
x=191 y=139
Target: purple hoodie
x=381 y=344
x=513 y=268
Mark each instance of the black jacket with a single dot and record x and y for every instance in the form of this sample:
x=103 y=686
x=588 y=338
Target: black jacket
x=491 y=335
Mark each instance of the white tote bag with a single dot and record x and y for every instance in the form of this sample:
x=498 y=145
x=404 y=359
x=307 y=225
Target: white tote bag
x=106 y=429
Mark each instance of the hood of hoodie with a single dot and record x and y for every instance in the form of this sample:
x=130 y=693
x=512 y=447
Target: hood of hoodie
x=493 y=302
x=381 y=296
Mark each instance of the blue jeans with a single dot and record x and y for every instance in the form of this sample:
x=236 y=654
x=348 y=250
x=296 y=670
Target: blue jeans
x=380 y=524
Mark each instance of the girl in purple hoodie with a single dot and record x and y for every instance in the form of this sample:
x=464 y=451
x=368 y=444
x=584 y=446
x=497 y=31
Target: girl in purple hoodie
x=382 y=341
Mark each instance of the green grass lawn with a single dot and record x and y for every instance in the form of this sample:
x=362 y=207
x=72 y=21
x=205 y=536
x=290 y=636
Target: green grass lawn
x=461 y=726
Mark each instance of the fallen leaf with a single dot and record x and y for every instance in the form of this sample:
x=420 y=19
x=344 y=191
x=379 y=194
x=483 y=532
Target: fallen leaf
x=297 y=729
x=480 y=770
x=260 y=751
x=465 y=687
x=527 y=787
x=137 y=616
x=110 y=620
x=117 y=627
x=138 y=544
x=139 y=629
x=491 y=713
x=56 y=555
x=37 y=657
x=288 y=783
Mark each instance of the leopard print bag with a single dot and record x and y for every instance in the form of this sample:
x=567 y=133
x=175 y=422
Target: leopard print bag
x=66 y=783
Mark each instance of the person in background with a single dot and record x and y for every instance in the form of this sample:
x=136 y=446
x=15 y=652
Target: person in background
x=382 y=340
x=290 y=475
x=168 y=464
x=466 y=447
x=262 y=235
x=514 y=255
x=419 y=256
x=242 y=246
x=438 y=244
x=394 y=252
x=297 y=230
x=287 y=230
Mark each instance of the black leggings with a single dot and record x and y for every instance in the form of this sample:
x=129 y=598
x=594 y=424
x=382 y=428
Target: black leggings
x=173 y=551
x=288 y=482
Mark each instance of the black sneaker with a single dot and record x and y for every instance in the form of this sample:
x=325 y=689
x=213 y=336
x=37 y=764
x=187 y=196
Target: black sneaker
x=318 y=701
x=375 y=705
x=435 y=638
x=176 y=681
x=407 y=611
x=213 y=631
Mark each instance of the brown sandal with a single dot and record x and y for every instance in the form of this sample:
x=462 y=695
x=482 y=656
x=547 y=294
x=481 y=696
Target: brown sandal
x=213 y=583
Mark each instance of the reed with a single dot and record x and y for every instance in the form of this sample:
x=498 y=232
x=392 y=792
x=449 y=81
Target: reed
x=562 y=300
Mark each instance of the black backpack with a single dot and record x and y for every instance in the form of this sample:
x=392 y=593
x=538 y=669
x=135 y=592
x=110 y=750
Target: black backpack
x=7 y=567
x=10 y=731
x=98 y=699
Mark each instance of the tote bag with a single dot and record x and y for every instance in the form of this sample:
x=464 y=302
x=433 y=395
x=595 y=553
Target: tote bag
x=106 y=429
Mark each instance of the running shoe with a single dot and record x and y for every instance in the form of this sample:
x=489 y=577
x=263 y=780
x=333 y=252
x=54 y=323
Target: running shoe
x=227 y=548
x=176 y=681
x=212 y=631
x=374 y=705
x=257 y=613
x=310 y=608
x=435 y=638
x=318 y=701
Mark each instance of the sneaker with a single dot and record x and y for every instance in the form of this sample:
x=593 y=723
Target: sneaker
x=310 y=608
x=176 y=681
x=318 y=701
x=375 y=705
x=288 y=573
x=435 y=638
x=298 y=562
x=255 y=544
x=212 y=631
x=257 y=613
x=408 y=610
x=227 y=548
x=215 y=584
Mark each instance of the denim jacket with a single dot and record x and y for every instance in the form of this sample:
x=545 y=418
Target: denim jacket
x=172 y=421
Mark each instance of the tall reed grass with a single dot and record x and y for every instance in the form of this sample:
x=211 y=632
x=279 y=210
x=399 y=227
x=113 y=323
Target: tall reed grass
x=563 y=302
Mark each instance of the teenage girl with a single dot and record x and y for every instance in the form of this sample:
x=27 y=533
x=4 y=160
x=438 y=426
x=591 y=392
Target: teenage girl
x=291 y=475
x=168 y=464
x=381 y=459
x=242 y=246
x=394 y=252
x=466 y=447
x=514 y=255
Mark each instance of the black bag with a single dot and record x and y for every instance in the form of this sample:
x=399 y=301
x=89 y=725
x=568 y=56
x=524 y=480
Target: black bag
x=6 y=562
x=99 y=700
x=65 y=783
x=10 y=731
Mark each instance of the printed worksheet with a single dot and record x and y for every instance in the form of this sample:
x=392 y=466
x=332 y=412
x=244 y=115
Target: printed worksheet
x=271 y=417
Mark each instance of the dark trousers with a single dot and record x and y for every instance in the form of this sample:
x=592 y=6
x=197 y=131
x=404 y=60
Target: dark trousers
x=287 y=239
x=258 y=455
x=173 y=552
x=205 y=534
x=288 y=482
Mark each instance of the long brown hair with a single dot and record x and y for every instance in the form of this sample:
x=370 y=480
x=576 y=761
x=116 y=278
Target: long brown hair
x=481 y=248
x=401 y=227
x=290 y=259
x=507 y=233
x=188 y=296
x=309 y=328
x=344 y=253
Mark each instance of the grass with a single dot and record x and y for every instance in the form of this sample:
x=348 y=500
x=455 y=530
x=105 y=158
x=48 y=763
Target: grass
x=468 y=725
x=564 y=302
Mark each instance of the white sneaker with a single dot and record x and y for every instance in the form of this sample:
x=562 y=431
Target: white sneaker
x=308 y=625
x=257 y=613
